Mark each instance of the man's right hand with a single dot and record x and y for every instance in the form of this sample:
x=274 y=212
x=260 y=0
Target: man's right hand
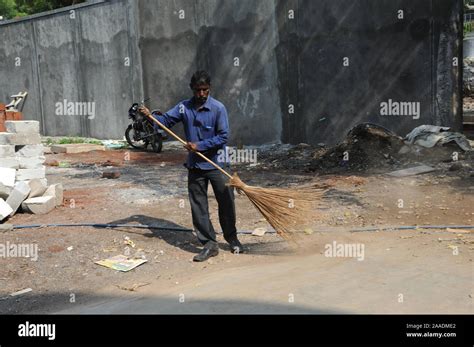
x=144 y=110
x=191 y=147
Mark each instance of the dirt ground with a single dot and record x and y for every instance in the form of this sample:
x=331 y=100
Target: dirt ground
x=432 y=267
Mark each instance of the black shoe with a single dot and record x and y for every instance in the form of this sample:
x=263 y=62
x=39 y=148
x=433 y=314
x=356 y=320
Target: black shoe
x=236 y=247
x=206 y=253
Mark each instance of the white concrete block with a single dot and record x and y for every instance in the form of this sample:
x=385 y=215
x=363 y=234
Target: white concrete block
x=5 y=191
x=5 y=138
x=6 y=227
x=22 y=126
x=31 y=162
x=43 y=181
x=26 y=139
x=39 y=205
x=57 y=191
x=5 y=209
x=38 y=187
x=7 y=177
x=20 y=192
x=7 y=151
x=20 y=139
x=10 y=162
x=29 y=150
x=29 y=174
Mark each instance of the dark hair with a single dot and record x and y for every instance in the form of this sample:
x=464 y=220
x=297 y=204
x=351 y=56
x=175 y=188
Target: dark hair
x=200 y=77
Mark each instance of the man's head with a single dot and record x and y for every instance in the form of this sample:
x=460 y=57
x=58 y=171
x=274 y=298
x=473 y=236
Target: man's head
x=200 y=85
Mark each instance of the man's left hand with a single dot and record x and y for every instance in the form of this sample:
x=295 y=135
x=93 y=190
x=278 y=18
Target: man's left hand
x=191 y=146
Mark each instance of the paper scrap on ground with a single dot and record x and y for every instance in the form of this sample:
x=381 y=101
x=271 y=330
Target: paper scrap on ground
x=308 y=231
x=129 y=242
x=259 y=231
x=121 y=263
x=20 y=292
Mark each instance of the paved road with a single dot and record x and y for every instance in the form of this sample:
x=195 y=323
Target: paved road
x=397 y=275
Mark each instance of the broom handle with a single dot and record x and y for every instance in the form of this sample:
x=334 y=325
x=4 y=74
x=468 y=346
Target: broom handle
x=184 y=143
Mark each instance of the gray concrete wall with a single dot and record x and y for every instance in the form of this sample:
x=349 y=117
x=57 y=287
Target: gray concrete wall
x=282 y=61
x=407 y=59
x=88 y=55
x=18 y=66
x=212 y=35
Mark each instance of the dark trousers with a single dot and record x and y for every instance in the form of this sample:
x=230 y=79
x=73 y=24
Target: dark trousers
x=198 y=181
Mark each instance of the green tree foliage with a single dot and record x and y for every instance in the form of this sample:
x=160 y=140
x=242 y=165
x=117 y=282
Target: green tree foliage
x=8 y=9
x=18 y=8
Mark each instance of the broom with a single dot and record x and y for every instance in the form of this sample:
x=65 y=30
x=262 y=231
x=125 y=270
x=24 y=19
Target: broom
x=284 y=209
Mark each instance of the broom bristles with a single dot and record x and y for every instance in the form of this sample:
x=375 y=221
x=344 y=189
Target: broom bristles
x=284 y=209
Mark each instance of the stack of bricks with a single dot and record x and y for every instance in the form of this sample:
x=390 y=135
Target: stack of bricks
x=6 y=115
x=22 y=171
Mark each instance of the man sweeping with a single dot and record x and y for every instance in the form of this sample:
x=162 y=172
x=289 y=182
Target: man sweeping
x=206 y=127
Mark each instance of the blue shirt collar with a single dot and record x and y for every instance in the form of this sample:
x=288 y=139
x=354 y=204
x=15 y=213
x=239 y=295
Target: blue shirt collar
x=206 y=105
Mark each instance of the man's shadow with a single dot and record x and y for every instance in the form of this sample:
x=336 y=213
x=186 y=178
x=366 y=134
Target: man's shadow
x=184 y=239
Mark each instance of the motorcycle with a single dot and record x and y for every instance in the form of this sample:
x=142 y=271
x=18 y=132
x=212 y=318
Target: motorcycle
x=142 y=132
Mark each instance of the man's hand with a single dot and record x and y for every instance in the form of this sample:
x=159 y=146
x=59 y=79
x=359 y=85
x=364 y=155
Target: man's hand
x=144 y=110
x=191 y=147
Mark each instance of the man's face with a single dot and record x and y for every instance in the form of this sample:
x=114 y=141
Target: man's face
x=201 y=92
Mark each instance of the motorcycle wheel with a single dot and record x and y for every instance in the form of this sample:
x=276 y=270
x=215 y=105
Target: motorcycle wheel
x=129 y=136
x=156 y=141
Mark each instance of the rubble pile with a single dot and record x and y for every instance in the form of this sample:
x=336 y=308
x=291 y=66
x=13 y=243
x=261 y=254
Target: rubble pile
x=365 y=147
x=372 y=147
x=23 y=184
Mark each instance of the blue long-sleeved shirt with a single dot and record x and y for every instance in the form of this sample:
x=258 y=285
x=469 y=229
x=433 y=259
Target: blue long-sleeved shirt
x=207 y=127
